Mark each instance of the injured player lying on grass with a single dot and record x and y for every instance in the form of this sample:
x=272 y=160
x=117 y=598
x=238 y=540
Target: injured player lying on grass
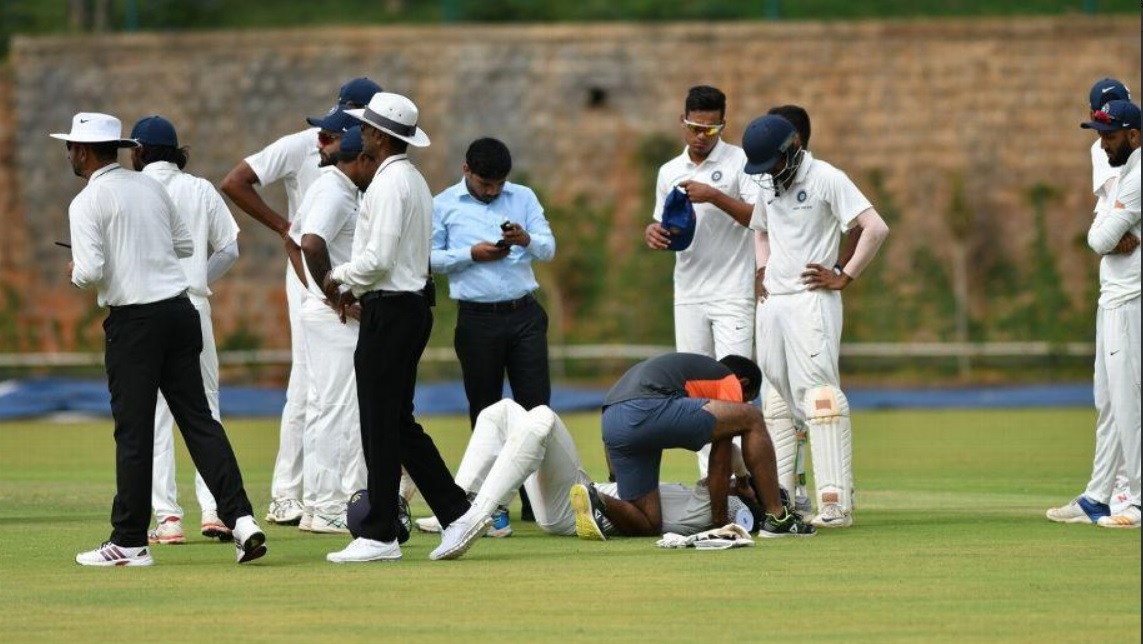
x=511 y=446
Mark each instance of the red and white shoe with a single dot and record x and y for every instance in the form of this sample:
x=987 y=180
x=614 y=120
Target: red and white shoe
x=169 y=532
x=110 y=554
x=214 y=528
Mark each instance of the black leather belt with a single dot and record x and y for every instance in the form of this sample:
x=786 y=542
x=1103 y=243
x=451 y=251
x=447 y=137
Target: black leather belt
x=506 y=306
x=136 y=307
x=378 y=294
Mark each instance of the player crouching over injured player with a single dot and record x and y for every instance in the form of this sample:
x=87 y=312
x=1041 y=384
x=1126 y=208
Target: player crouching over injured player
x=683 y=400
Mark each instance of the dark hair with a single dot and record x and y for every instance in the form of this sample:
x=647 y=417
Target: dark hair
x=344 y=156
x=704 y=98
x=152 y=153
x=488 y=158
x=745 y=369
x=106 y=151
x=799 y=117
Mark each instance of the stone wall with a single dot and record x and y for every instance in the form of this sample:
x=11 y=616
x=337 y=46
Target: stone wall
x=994 y=102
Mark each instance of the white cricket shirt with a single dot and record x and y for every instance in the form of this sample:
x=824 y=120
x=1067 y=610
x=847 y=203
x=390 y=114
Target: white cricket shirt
x=392 y=239
x=127 y=238
x=293 y=160
x=805 y=222
x=1103 y=177
x=1119 y=275
x=211 y=225
x=329 y=210
x=719 y=265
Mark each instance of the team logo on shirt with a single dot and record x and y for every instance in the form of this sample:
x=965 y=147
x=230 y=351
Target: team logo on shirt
x=801 y=196
x=717 y=176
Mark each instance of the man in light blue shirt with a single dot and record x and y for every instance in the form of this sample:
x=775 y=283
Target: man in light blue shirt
x=486 y=232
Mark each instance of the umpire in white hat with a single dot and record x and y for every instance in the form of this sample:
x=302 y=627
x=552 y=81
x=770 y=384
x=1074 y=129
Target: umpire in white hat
x=127 y=239
x=388 y=272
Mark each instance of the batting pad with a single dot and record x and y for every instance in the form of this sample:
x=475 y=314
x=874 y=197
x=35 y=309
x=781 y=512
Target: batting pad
x=783 y=434
x=728 y=536
x=831 y=443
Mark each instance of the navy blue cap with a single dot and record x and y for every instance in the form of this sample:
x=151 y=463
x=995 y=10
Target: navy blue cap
x=155 y=130
x=351 y=141
x=1116 y=115
x=358 y=91
x=335 y=120
x=1107 y=89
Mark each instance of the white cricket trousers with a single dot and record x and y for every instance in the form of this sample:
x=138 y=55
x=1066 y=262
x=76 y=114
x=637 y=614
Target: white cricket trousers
x=287 y=480
x=334 y=466
x=511 y=446
x=1116 y=388
x=164 y=490
x=715 y=329
x=799 y=338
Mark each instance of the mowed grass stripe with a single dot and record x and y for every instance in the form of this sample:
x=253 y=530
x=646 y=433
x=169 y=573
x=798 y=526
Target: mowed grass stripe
x=950 y=544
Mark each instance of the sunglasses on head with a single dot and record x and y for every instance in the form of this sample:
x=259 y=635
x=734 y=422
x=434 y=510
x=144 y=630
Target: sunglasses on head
x=708 y=129
x=326 y=138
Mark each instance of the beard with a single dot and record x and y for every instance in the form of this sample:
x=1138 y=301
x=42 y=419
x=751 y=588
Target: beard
x=1117 y=156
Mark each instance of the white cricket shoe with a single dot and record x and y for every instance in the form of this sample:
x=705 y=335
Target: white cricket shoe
x=459 y=536
x=1080 y=510
x=249 y=540
x=306 y=523
x=213 y=527
x=168 y=532
x=361 y=550
x=285 y=512
x=1129 y=518
x=832 y=516
x=328 y=524
x=428 y=524
x=109 y=554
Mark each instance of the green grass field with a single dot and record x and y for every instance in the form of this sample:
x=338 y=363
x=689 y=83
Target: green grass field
x=950 y=544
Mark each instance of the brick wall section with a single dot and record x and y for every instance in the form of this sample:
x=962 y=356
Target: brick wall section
x=997 y=102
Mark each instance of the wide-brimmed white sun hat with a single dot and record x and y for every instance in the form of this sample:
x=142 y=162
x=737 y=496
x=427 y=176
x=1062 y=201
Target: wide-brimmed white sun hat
x=93 y=127
x=393 y=114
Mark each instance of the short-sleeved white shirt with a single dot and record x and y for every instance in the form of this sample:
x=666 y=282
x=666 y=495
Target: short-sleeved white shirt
x=1119 y=275
x=293 y=160
x=719 y=265
x=329 y=210
x=805 y=222
x=205 y=213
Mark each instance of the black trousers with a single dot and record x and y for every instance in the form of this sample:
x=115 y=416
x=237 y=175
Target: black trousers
x=490 y=342
x=394 y=331
x=151 y=348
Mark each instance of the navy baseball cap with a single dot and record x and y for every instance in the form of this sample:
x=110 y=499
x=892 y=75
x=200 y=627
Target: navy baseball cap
x=358 y=91
x=351 y=141
x=155 y=130
x=1116 y=115
x=335 y=120
x=1107 y=89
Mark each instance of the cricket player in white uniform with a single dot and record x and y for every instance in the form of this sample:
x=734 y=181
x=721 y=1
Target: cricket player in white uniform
x=294 y=160
x=215 y=235
x=512 y=446
x=334 y=465
x=714 y=278
x=1115 y=235
x=802 y=210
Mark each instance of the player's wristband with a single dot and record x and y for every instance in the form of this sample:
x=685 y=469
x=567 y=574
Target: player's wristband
x=837 y=270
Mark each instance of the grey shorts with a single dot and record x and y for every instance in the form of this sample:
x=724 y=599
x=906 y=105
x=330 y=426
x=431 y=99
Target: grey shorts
x=635 y=433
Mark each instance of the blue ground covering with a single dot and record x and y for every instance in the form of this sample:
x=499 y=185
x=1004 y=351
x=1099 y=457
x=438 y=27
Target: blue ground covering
x=46 y=396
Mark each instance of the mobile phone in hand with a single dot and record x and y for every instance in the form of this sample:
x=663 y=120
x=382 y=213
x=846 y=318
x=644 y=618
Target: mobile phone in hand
x=505 y=226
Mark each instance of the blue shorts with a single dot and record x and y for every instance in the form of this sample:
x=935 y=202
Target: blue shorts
x=635 y=433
